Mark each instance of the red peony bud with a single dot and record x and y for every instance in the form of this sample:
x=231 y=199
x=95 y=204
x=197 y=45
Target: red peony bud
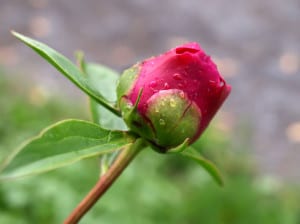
x=177 y=94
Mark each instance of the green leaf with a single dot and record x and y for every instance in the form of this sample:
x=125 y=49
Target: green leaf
x=67 y=68
x=107 y=160
x=61 y=144
x=105 y=79
x=193 y=154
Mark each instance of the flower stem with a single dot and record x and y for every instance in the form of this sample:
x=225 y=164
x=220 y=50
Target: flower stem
x=121 y=162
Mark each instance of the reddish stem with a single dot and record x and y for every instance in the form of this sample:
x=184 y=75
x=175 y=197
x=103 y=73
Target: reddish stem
x=121 y=162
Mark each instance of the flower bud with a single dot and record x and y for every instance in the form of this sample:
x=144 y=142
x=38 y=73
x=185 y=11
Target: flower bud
x=172 y=97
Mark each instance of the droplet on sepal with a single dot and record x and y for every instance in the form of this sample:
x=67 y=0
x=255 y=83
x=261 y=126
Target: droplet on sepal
x=172 y=103
x=162 y=122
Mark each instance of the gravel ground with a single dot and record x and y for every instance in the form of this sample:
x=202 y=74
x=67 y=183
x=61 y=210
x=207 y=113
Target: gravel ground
x=255 y=44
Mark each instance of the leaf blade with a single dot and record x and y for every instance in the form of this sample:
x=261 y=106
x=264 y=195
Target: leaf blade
x=61 y=144
x=67 y=68
x=211 y=168
x=106 y=80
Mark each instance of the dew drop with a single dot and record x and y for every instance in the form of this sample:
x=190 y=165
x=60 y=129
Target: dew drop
x=221 y=84
x=180 y=85
x=206 y=58
x=153 y=84
x=195 y=83
x=177 y=76
x=181 y=94
x=128 y=106
x=162 y=122
x=172 y=102
x=212 y=82
x=166 y=85
x=195 y=96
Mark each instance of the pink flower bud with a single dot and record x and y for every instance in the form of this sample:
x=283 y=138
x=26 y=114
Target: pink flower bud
x=181 y=92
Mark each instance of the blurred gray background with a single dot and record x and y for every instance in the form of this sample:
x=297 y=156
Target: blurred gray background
x=256 y=45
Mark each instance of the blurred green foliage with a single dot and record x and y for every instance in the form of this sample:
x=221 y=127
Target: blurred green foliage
x=154 y=189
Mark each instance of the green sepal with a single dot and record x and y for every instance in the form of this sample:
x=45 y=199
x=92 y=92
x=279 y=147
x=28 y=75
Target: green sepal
x=173 y=116
x=180 y=148
x=126 y=81
x=134 y=119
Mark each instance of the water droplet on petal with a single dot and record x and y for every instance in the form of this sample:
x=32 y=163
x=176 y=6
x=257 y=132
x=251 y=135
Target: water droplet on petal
x=206 y=58
x=153 y=85
x=195 y=83
x=221 y=83
x=212 y=82
x=180 y=85
x=195 y=96
x=162 y=122
x=177 y=76
x=181 y=94
x=166 y=85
